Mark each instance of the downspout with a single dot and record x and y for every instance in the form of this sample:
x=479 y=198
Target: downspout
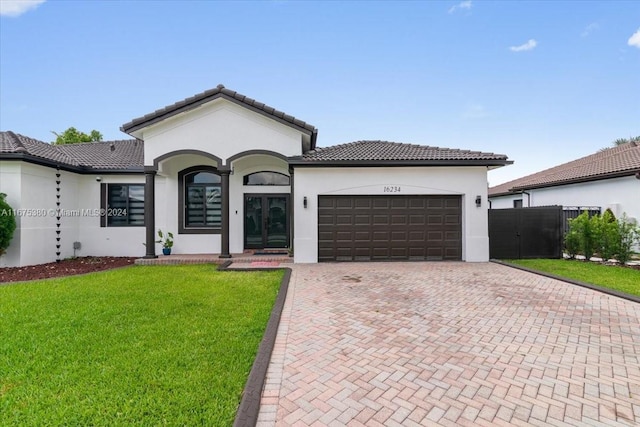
x=292 y=211
x=528 y=198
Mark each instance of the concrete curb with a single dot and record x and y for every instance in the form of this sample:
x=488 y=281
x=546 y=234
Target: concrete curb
x=608 y=291
x=247 y=414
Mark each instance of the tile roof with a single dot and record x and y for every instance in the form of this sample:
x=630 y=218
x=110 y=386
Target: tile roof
x=15 y=143
x=109 y=155
x=622 y=160
x=218 y=92
x=386 y=151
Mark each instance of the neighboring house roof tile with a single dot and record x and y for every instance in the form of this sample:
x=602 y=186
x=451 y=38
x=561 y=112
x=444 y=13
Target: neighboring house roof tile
x=218 y=92
x=15 y=143
x=385 y=151
x=120 y=154
x=108 y=155
x=622 y=160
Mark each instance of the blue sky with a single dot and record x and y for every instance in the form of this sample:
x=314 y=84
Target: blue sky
x=543 y=82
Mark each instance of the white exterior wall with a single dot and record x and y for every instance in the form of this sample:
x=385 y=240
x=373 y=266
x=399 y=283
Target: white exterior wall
x=31 y=189
x=468 y=182
x=106 y=241
x=32 y=192
x=167 y=205
x=242 y=167
x=11 y=184
x=506 y=202
x=618 y=194
x=221 y=128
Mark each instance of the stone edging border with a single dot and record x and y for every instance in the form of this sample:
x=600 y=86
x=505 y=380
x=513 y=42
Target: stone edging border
x=247 y=414
x=608 y=291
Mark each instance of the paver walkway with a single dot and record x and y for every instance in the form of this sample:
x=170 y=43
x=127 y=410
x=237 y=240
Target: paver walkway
x=407 y=344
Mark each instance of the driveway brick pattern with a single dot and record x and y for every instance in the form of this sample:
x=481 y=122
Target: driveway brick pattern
x=451 y=344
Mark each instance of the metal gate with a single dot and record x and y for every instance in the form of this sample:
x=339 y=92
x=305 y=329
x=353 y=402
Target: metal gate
x=526 y=232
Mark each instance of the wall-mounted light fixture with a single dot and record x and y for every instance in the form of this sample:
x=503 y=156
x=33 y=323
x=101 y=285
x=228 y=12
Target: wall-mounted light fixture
x=478 y=201
x=304 y=202
x=98 y=178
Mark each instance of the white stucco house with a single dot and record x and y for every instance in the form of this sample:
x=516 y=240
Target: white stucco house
x=608 y=179
x=227 y=174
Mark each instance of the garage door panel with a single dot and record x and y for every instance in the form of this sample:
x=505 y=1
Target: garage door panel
x=360 y=228
x=435 y=203
x=378 y=203
x=452 y=219
x=435 y=220
x=452 y=202
x=362 y=220
x=326 y=219
x=417 y=219
x=362 y=236
x=381 y=219
x=381 y=236
x=416 y=236
x=398 y=219
x=399 y=239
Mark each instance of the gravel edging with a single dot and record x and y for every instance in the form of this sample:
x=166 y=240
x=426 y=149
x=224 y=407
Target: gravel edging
x=608 y=291
x=247 y=414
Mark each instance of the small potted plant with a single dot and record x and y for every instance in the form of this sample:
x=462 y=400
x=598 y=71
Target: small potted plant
x=166 y=240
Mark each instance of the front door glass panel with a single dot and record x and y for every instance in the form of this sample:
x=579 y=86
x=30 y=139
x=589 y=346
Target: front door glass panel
x=266 y=223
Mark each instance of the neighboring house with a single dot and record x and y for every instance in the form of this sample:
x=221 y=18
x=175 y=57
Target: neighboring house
x=226 y=174
x=609 y=178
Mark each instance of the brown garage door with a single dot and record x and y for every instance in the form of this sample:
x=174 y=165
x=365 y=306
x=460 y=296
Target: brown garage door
x=381 y=228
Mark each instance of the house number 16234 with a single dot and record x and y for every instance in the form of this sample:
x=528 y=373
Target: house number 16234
x=391 y=189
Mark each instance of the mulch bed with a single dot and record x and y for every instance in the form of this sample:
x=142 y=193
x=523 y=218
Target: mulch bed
x=67 y=267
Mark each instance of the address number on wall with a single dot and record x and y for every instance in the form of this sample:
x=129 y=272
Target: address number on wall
x=391 y=189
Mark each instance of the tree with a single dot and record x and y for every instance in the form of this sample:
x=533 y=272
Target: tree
x=621 y=141
x=7 y=224
x=73 y=136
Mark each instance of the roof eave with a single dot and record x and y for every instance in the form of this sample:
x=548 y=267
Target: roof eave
x=151 y=119
x=28 y=158
x=297 y=161
x=592 y=178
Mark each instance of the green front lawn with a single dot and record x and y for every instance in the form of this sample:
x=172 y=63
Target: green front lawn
x=622 y=279
x=144 y=345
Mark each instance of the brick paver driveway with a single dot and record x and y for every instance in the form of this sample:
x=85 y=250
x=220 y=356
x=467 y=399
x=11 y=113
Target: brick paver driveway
x=450 y=344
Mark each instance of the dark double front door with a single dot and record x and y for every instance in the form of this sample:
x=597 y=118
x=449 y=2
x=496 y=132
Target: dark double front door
x=266 y=221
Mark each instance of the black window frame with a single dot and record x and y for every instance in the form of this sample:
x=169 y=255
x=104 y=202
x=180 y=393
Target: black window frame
x=183 y=228
x=517 y=203
x=245 y=179
x=109 y=209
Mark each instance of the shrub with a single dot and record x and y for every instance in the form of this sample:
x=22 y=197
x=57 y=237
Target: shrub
x=7 y=224
x=608 y=235
x=587 y=230
x=629 y=235
x=572 y=244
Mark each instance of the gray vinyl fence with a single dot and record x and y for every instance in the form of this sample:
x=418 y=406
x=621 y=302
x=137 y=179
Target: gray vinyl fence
x=519 y=233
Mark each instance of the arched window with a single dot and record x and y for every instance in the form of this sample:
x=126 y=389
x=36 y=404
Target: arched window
x=200 y=200
x=267 y=178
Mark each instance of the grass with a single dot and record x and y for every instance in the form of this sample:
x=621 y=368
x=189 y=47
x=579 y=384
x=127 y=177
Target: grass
x=622 y=279
x=143 y=345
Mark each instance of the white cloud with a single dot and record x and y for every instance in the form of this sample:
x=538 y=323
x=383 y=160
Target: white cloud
x=531 y=44
x=466 y=5
x=17 y=7
x=475 y=111
x=590 y=29
x=634 y=40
